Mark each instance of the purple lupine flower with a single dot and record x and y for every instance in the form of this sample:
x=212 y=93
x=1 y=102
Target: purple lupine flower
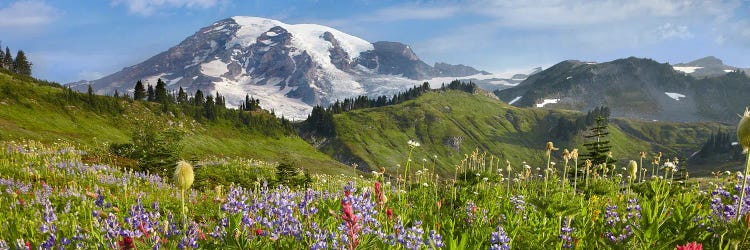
x=633 y=209
x=471 y=211
x=319 y=237
x=49 y=243
x=518 y=202
x=618 y=229
x=398 y=236
x=189 y=239
x=723 y=205
x=744 y=205
x=413 y=236
x=434 y=240
x=499 y=240
x=565 y=234
x=366 y=211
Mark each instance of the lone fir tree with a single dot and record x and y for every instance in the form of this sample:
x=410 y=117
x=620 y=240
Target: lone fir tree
x=598 y=148
x=150 y=96
x=139 y=93
x=22 y=65
x=160 y=92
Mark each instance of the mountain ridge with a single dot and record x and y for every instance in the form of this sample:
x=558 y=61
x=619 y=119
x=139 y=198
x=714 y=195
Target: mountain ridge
x=636 y=88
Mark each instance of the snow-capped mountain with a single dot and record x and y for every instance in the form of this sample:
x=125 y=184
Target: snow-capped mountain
x=289 y=67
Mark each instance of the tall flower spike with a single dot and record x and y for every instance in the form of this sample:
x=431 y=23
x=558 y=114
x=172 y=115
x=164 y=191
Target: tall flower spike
x=632 y=169
x=551 y=146
x=743 y=135
x=508 y=168
x=574 y=154
x=183 y=175
x=743 y=131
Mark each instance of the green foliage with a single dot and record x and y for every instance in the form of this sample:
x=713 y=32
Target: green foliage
x=150 y=95
x=47 y=112
x=467 y=215
x=156 y=149
x=599 y=149
x=288 y=174
x=450 y=124
x=22 y=65
x=8 y=59
x=139 y=92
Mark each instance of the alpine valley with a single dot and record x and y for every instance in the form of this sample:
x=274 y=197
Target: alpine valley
x=291 y=68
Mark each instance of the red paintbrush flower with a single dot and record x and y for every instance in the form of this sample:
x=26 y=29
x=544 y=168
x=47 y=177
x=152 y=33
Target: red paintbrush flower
x=691 y=246
x=379 y=193
x=143 y=230
x=126 y=243
x=351 y=223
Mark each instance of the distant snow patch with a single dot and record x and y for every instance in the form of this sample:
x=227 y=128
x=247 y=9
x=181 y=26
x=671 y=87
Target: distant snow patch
x=568 y=78
x=214 y=68
x=547 y=101
x=734 y=143
x=503 y=82
x=675 y=96
x=515 y=100
x=173 y=81
x=728 y=70
x=686 y=69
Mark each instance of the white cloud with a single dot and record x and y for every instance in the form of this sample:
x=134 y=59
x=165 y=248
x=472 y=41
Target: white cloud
x=669 y=31
x=412 y=12
x=149 y=7
x=90 y=75
x=576 y=13
x=27 y=14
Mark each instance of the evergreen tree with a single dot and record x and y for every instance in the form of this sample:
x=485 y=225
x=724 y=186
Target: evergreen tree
x=8 y=60
x=285 y=173
x=2 y=58
x=90 y=94
x=160 y=93
x=150 y=93
x=219 y=101
x=117 y=94
x=22 y=65
x=139 y=93
x=182 y=96
x=198 y=99
x=209 y=108
x=599 y=148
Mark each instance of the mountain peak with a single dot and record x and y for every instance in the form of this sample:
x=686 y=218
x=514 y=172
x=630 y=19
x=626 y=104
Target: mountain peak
x=289 y=67
x=707 y=62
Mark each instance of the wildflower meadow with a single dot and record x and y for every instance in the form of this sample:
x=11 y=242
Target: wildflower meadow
x=51 y=199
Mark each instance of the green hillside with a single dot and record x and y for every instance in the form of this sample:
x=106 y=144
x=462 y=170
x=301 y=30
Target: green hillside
x=35 y=110
x=451 y=124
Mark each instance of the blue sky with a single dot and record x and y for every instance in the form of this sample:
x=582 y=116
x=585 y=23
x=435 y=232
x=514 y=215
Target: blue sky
x=70 y=40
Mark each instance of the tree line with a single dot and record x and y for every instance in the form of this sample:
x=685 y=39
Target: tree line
x=566 y=128
x=320 y=121
x=19 y=65
x=718 y=143
x=212 y=107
